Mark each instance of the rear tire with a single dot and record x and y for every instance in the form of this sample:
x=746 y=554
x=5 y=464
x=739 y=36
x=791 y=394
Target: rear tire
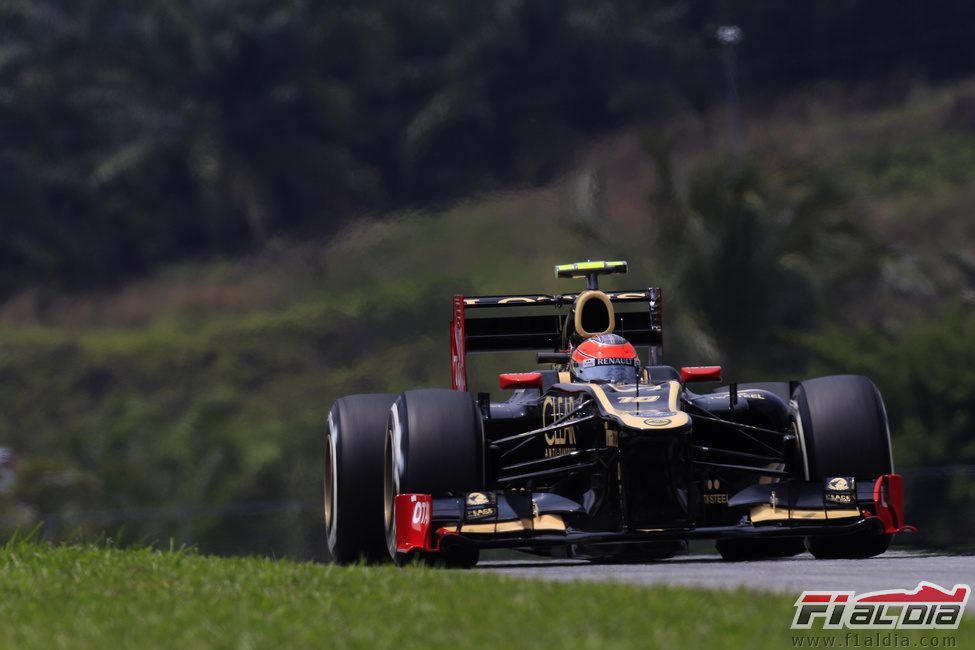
x=842 y=425
x=434 y=445
x=353 y=495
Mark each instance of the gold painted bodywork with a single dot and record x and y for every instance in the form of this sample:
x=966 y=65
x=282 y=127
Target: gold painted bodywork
x=645 y=416
x=766 y=513
x=540 y=523
x=598 y=296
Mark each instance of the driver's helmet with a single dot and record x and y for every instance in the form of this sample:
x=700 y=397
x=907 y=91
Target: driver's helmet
x=605 y=358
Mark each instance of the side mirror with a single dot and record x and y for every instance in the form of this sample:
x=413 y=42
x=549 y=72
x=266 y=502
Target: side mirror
x=508 y=380
x=700 y=373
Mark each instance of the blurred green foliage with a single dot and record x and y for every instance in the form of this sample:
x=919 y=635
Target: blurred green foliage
x=926 y=373
x=140 y=133
x=136 y=133
x=228 y=408
x=213 y=408
x=756 y=259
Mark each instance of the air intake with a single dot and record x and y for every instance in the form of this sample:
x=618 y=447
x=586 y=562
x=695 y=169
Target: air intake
x=593 y=314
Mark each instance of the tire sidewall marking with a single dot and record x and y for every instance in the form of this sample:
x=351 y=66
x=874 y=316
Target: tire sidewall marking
x=398 y=455
x=883 y=413
x=397 y=460
x=333 y=442
x=797 y=419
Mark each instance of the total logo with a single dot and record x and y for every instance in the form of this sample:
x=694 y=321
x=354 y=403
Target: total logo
x=928 y=607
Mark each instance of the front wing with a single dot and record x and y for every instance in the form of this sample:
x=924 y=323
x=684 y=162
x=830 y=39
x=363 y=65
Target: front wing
x=519 y=519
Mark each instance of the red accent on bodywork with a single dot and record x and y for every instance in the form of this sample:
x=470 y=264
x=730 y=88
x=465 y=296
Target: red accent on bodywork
x=413 y=514
x=520 y=380
x=888 y=499
x=441 y=533
x=458 y=347
x=700 y=373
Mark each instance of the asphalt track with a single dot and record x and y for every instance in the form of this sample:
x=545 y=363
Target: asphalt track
x=892 y=570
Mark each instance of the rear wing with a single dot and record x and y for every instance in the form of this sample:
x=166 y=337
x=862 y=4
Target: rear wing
x=538 y=322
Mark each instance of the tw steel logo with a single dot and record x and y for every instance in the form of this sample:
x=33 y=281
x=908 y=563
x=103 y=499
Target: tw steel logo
x=929 y=607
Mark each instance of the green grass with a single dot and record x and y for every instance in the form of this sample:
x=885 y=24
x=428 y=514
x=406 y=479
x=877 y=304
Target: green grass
x=97 y=597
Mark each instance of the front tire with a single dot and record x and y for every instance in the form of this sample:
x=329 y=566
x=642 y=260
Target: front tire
x=353 y=496
x=434 y=445
x=842 y=424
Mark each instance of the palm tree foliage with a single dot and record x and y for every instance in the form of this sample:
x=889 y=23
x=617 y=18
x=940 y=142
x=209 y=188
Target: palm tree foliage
x=137 y=132
x=756 y=261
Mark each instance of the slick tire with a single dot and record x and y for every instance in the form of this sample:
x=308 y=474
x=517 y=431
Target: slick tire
x=353 y=498
x=434 y=445
x=740 y=550
x=842 y=426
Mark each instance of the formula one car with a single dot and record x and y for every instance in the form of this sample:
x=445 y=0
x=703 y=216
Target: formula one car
x=600 y=456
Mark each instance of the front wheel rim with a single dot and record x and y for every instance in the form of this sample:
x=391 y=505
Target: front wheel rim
x=329 y=496
x=389 y=490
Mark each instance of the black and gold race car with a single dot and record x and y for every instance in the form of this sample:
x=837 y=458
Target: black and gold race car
x=602 y=456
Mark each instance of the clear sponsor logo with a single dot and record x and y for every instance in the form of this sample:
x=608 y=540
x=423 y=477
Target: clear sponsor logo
x=553 y=409
x=928 y=607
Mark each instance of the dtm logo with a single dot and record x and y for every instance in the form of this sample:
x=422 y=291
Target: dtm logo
x=929 y=607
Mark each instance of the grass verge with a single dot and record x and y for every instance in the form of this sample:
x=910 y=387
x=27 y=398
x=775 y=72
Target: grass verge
x=95 y=597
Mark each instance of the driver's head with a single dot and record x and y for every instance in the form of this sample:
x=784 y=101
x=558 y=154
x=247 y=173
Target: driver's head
x=605 y=358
